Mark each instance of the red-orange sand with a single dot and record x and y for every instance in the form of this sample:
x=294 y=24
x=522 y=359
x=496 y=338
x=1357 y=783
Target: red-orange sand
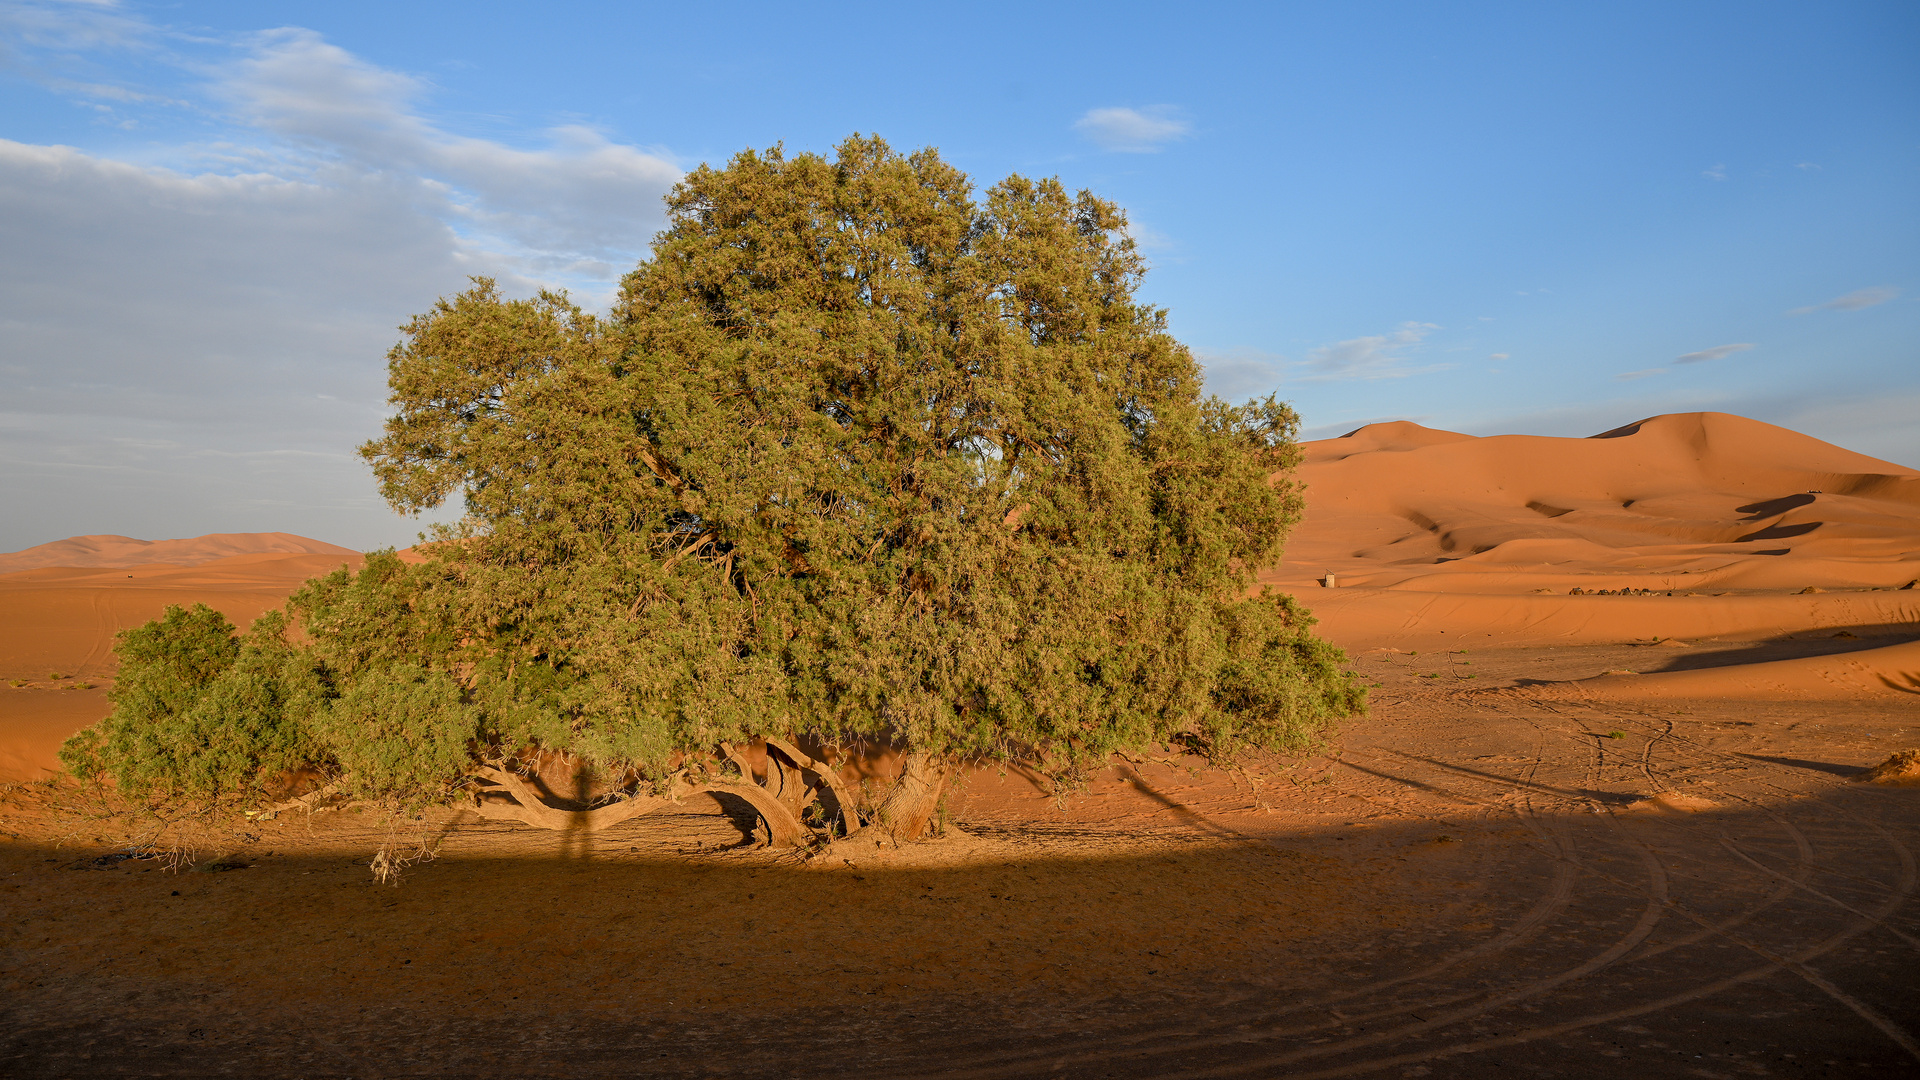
x=1578 y=835
x=60 y=618
x=1744 y=532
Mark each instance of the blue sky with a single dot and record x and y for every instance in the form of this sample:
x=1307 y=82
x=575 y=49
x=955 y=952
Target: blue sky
x=1540 y=218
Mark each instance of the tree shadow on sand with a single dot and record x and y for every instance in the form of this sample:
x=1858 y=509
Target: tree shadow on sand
x=1525 y=928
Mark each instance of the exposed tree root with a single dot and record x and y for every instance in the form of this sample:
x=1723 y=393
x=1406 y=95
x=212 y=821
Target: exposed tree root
x=829 y=776
x=788 y=788
x=783 y=825
x=528 y=807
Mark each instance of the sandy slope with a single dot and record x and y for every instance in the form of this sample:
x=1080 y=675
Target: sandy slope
x=110 y=551
x=61 y=620
x=1689 y=502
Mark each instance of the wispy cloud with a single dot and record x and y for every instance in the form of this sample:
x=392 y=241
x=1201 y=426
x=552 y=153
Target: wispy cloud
x=1380 y=356
x=1718 y=352
x=1146 y=237
x=1853 y=301
x=1134 y=131
x=1242 y=373
x=1629 y=376
x=1718 y=172
x=71 y=26
x=1498 y=356
x=1245 y=373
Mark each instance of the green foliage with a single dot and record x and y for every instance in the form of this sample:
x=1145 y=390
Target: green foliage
x=386 y=701
x=197 y=712
x=856 y=457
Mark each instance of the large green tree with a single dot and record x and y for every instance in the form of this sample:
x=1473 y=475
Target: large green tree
x=858 y=461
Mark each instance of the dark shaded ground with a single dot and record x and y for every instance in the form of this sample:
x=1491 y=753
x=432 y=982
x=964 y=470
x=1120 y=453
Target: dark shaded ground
x=1474 y=884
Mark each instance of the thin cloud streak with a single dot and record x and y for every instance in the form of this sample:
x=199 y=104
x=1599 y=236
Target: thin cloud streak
x=1718 y=352
x=1853 y=301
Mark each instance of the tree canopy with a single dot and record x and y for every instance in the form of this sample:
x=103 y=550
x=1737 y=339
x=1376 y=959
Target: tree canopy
x=858 y=460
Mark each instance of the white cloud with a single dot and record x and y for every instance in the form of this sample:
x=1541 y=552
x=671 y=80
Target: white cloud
x=1499 y=356
x=1629 y=376
x=1853 y=301
x=171 y=337
x=582 y=204
x=1718 y=172
x=1243 y=374
x=200 y=347
x=1381 y=356
x=1718 y=352
x=1147 y=238
x=1134 y=131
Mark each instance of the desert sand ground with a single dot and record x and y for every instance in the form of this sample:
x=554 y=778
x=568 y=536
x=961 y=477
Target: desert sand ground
x=1578 y=835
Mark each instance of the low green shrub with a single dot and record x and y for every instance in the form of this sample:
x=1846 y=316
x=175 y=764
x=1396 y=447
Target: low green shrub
x=198 y=711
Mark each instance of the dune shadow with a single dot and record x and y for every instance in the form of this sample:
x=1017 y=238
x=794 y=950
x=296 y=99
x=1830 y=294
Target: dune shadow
x=1781 y=532
x=1774 y=507
x=1857 y=639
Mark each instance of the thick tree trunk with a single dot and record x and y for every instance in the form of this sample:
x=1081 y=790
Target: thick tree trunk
x=915 y=795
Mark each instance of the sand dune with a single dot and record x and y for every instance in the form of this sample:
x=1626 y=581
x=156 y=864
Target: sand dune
x=126 y=551
x=1433 y=534
x=61 y=620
